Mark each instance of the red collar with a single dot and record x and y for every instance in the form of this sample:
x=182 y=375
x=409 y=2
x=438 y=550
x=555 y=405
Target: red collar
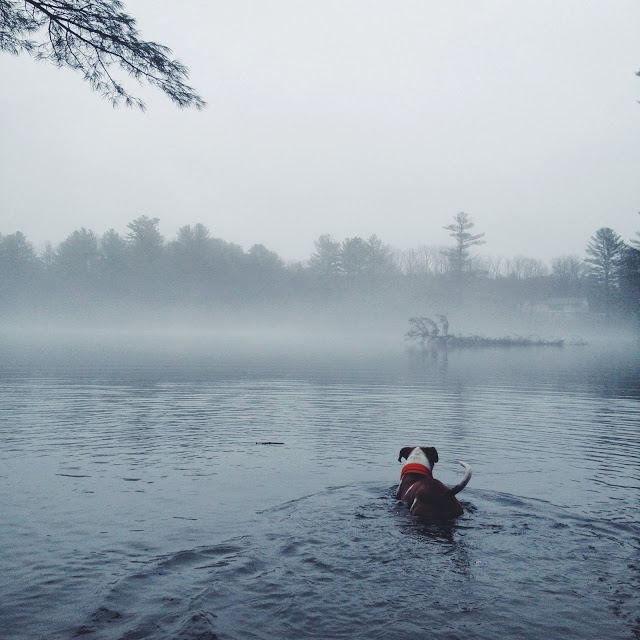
x=415 y=467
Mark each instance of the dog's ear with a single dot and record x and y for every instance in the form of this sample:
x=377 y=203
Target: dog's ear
x=431 y=453
x=405 y=452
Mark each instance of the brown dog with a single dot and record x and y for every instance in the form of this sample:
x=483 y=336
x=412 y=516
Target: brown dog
x=427 y=497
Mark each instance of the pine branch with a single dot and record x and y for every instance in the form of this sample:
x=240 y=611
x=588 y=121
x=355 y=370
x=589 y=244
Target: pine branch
x=93 y=38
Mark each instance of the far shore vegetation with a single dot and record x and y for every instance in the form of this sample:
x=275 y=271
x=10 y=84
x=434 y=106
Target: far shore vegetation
x=88 y=273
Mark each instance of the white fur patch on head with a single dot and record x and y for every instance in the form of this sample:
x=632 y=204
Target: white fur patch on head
x=418 y=456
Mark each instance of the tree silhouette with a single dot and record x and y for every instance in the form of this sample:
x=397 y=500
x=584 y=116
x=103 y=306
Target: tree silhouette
x=19 y=266
x=381 y=258
x=192 y=258
x=114 y=263
x=95 y=38
x=460 y=255
x=78 y=255
x=421 y=329
x=568 y=268
x=263 y=272
x=113 y=249
x=636 y=241
x=354 y=258
x=522 y=267
x=145 y=238
x=604 y=253
x=148 y=265
x=630 y=280
x=192 y=250
x=326 y=261
x=567 y=276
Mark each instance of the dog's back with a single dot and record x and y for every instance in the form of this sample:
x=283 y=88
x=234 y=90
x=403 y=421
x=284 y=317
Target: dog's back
x=425 y=496
x=429 y=499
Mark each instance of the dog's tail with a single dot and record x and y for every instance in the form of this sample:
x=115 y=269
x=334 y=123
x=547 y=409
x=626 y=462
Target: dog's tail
x=463 y=483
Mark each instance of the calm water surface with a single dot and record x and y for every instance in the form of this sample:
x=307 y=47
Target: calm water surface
x=136 y=503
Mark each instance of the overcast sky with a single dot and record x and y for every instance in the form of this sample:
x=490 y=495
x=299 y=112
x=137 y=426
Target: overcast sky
x=347 y=117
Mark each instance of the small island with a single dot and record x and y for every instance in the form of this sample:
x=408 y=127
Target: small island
x=426 y=331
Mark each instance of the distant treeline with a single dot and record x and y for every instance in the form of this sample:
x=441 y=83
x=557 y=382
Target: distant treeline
x=143 y=269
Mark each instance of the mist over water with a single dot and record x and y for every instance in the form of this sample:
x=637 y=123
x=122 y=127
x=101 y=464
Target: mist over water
x=137 y=503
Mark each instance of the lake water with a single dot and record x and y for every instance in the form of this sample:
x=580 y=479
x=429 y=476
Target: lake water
x=136 y=503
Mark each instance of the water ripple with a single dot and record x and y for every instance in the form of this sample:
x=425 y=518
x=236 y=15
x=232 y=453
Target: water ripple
x=123 y=493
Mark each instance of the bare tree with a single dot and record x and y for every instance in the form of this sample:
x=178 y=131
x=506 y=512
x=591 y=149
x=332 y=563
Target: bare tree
x=522 y=267
x=570 y=268
x=95 y=38
x=423 y=260
x=495 y=266
x=422 y=329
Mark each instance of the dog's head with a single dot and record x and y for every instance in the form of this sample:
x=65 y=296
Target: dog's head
x=422 y=455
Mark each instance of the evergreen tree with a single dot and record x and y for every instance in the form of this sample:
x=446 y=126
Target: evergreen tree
x=382 y=260
x=146 y=251
x=604 y=253
x=264 y=272
x=326 y=261
x=77 y=256
x=114 y=263
x=145 y=239
x=636 y=241
x=19 y=268
x=629 y=280
x=193 y=252
x=354 y=258
x=459 y=255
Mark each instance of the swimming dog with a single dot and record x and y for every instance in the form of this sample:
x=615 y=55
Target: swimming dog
x=425 y=496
